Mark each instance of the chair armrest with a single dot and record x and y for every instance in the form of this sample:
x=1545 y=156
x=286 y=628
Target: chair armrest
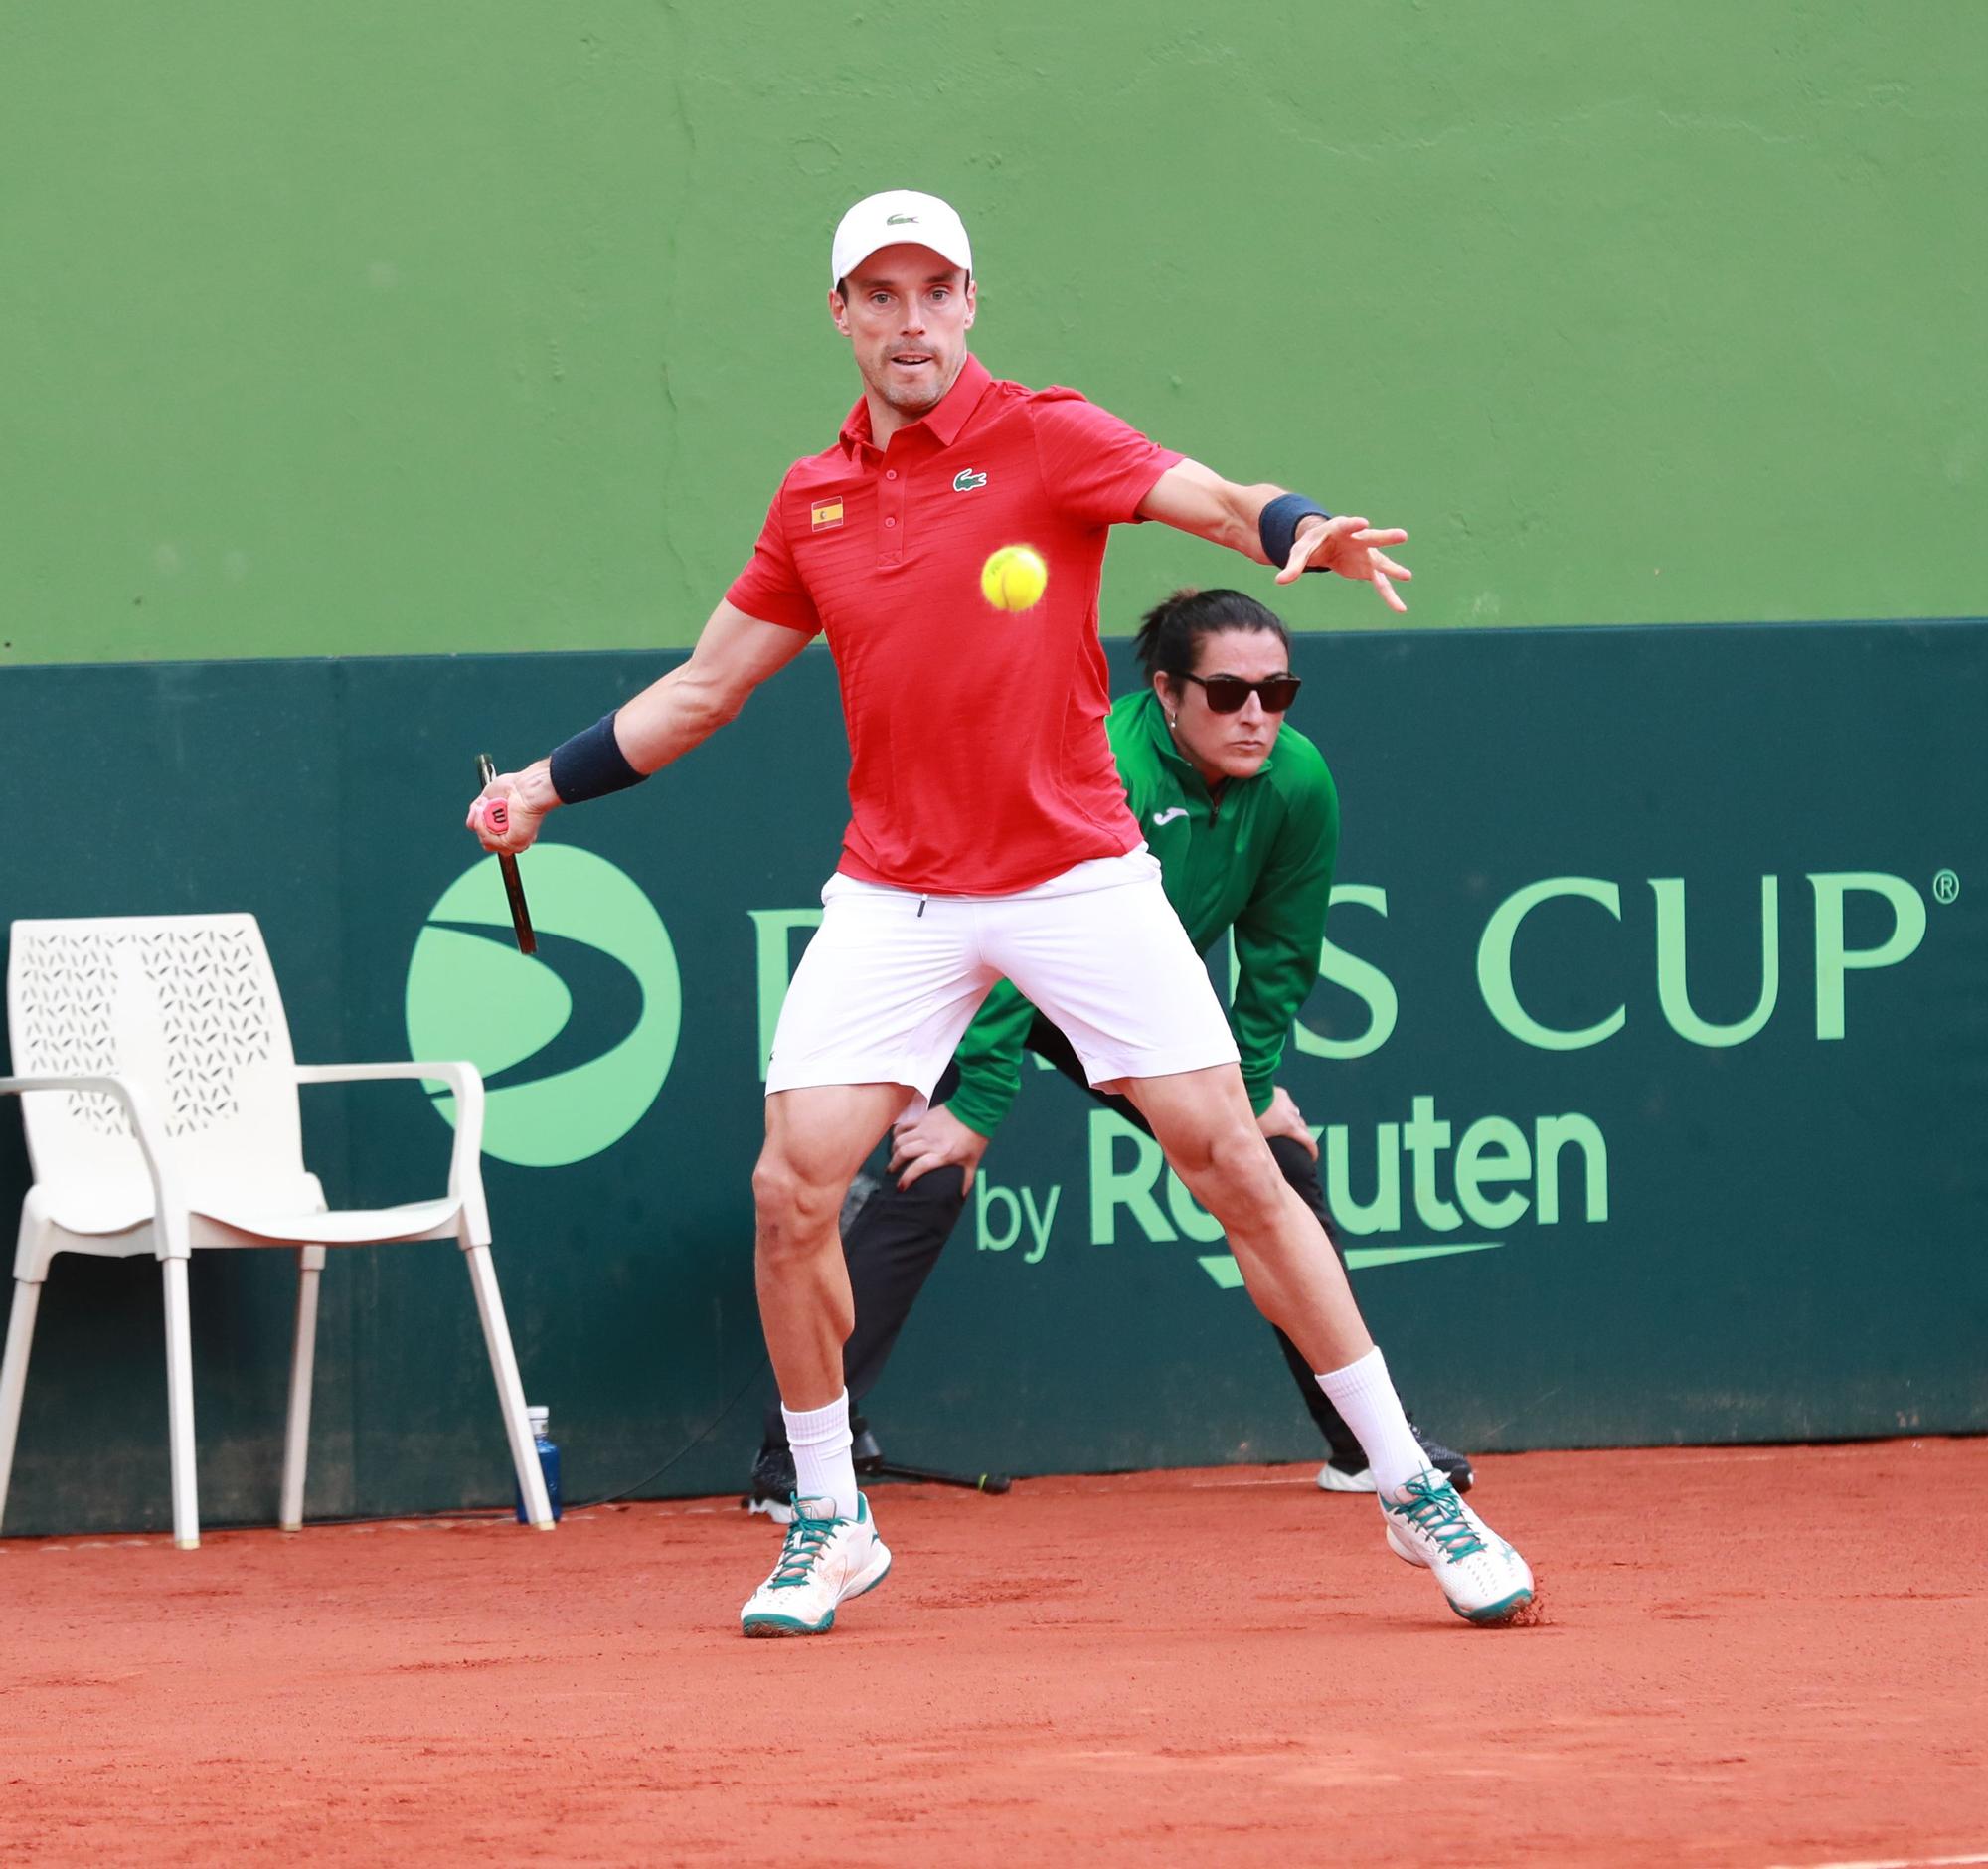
x=465 y=1082
x=169 y=1208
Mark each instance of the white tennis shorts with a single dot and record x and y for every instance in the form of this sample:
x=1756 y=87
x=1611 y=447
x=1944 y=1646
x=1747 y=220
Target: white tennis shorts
x=892 y=979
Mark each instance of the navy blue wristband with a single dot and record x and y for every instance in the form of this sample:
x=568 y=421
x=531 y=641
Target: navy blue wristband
x=591 y=765
x=1278 y=527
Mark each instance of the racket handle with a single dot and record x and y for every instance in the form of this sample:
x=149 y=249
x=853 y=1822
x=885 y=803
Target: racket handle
x=497 y=815
x=521 y=917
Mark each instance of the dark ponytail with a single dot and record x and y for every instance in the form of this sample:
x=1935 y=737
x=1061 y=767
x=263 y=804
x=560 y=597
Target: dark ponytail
x=1171 y=631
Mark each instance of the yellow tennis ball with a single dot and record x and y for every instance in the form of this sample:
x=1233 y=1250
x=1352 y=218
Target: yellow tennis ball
x=1013 y=578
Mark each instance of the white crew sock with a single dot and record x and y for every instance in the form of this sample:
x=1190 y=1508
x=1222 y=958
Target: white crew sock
x=1365 y=1395
x=823 y=1467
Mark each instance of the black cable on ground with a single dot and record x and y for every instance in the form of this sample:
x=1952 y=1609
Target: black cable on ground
x=696 y=1440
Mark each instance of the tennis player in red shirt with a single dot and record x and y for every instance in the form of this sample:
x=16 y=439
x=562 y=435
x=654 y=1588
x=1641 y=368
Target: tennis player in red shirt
x=989 y=837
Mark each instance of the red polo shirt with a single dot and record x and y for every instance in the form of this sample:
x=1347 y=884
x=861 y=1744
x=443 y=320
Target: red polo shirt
x=978 y=761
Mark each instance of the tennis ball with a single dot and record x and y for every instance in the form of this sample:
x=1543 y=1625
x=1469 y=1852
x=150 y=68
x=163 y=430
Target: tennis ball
x=1013 y=578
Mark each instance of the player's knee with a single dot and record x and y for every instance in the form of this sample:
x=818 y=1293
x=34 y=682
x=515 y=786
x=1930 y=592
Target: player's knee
x=1241 y=1186
x=773 y=1183
x=793 y=1209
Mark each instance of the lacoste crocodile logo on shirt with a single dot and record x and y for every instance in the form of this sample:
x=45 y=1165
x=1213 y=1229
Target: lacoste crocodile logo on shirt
x=1167 y=817
x=967 y=480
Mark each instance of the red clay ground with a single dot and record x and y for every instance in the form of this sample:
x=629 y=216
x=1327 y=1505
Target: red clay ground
x=1753 y=1657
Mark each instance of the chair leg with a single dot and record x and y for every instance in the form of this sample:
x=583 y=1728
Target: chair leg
x=14 y=1376
x=510 y=1390
x=179 y=1406
x=303 y=1359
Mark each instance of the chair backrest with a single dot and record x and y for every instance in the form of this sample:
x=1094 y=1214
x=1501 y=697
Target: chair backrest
x=185 y=1004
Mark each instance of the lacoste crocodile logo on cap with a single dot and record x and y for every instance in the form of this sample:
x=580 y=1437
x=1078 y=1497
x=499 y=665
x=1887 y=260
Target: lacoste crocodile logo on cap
x=900 y=220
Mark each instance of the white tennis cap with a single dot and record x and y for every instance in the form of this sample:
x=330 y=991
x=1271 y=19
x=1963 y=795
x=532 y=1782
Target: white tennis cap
x=898 y=215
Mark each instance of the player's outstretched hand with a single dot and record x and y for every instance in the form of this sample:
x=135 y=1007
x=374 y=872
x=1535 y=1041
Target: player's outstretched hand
x=503 y=816
x=1352 y=547
x=1284 y=1118
x=938 y=1140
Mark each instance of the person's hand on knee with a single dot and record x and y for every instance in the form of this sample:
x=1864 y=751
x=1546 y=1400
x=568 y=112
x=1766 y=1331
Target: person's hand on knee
x=938 y=1140
x=1284 y=1118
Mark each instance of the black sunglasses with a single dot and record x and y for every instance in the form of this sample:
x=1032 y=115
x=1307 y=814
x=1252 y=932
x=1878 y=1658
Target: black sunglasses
x=1226 y=693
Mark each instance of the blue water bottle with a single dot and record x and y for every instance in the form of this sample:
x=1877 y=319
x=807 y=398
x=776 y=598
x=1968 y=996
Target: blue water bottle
x=549 y=1464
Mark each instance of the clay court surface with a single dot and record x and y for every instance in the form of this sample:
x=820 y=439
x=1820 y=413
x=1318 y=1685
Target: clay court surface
x=1751 y=1656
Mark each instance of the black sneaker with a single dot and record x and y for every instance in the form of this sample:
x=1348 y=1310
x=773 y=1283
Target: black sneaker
x=771 y=1490
x=1347 y=1472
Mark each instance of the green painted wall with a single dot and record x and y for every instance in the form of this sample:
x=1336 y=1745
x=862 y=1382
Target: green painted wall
x=367 y=328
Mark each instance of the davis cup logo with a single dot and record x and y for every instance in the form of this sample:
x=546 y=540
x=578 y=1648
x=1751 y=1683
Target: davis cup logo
x=574 y=1042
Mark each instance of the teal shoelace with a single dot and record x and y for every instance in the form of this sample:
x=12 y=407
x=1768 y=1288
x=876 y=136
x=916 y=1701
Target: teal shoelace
x=1436 y=1510
x=806 y=1540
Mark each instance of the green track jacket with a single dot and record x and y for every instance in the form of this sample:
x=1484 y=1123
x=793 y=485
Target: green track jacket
x=1257 y=859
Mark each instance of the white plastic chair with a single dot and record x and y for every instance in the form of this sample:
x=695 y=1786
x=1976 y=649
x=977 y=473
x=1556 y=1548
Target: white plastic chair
x=159 y=1093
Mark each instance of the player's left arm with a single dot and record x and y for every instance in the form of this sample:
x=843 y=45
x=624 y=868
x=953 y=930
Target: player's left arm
x=1193 y=498
x=1278 y=938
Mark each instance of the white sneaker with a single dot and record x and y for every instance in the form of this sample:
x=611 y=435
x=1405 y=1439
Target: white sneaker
x=1486 y=1580
x=825 y=1560
x=1332 y=1478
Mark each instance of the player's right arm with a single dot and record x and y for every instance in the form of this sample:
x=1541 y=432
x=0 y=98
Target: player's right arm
x=734 y=653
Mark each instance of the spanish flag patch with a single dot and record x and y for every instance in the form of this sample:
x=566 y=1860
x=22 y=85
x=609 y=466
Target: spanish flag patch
x=825 y=514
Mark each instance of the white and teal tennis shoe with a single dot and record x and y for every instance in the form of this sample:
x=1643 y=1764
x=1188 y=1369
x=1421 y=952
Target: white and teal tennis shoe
x=825 y=1560
x=1486 y=1580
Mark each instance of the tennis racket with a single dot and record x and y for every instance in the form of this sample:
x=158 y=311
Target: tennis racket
x=498 y=817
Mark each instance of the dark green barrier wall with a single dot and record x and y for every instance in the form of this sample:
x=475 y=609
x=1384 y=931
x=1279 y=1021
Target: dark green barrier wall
x=370 y=328
x=1742 y=1211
